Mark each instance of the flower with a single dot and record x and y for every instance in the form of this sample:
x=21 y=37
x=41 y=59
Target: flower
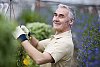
x=26 y=61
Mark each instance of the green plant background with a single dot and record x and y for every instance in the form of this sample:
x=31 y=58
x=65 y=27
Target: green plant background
x=28 y=16
x=8 y=45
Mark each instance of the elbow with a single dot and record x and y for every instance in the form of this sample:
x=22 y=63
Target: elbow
x=39 y=61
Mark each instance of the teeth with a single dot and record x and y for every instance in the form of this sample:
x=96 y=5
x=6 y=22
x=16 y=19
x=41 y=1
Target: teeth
x=57 y=23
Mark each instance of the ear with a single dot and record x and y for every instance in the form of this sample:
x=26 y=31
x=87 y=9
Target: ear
x=71 y=22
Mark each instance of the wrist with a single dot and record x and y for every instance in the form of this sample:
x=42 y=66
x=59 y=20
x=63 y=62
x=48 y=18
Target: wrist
x=22 y=38
x=30 y=36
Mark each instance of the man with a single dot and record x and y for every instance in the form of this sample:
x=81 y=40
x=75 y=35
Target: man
x=57 y=50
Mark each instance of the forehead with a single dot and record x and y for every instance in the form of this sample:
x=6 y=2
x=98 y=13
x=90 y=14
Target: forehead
x=63 y=11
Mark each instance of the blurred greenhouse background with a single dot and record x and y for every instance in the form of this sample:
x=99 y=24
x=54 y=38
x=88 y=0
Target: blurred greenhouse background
x=39 y=13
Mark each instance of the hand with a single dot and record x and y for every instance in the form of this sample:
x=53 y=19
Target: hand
x=18 y=32
x=24 y=29
x=28 y=33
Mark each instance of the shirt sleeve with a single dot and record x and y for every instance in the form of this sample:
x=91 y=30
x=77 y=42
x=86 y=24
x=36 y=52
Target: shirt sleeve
x=60 y=48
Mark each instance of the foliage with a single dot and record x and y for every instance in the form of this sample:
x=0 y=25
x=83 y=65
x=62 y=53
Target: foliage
x=7 y=43
x=88 y=30
x=28 y=16
x=40 y=30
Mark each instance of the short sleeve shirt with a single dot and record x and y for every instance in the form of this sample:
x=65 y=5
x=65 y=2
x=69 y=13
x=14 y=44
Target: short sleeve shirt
x=60 y=47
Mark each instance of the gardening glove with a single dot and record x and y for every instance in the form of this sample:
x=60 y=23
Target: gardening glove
x=19 y=34
x=25 y=30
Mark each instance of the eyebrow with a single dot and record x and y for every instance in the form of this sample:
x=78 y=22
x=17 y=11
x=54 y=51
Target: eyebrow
x=59 y=14
x=54 y=13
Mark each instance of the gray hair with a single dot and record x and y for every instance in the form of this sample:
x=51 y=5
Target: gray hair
x=70 y=14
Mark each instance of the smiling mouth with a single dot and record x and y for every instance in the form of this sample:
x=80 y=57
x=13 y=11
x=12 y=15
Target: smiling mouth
x=57 y=23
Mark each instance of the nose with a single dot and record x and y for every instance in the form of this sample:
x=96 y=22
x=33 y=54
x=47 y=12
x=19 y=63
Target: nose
x=56 y=18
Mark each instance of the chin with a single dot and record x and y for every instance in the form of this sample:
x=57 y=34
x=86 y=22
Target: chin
x=57 y=29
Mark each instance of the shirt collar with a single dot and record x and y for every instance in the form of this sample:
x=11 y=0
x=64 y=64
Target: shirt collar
x=64 y=34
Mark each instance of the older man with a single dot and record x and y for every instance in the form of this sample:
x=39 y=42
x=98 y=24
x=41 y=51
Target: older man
x=57 y=50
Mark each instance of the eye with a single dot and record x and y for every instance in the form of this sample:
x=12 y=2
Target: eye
x=55 y=14
x=61 y=15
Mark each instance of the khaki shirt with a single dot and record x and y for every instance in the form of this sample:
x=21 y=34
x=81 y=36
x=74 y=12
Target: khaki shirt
x=60 y=47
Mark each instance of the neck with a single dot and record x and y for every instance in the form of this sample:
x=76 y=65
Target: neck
x=59 y=32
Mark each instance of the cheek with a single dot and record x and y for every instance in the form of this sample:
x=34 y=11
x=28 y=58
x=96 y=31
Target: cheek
x=54 y=19
x=65 y=24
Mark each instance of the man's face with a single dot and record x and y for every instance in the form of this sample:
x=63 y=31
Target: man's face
x=61 y=20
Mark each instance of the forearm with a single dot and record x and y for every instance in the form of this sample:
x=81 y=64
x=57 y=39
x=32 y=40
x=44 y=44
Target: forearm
x=33 y=41
x=39 y=57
